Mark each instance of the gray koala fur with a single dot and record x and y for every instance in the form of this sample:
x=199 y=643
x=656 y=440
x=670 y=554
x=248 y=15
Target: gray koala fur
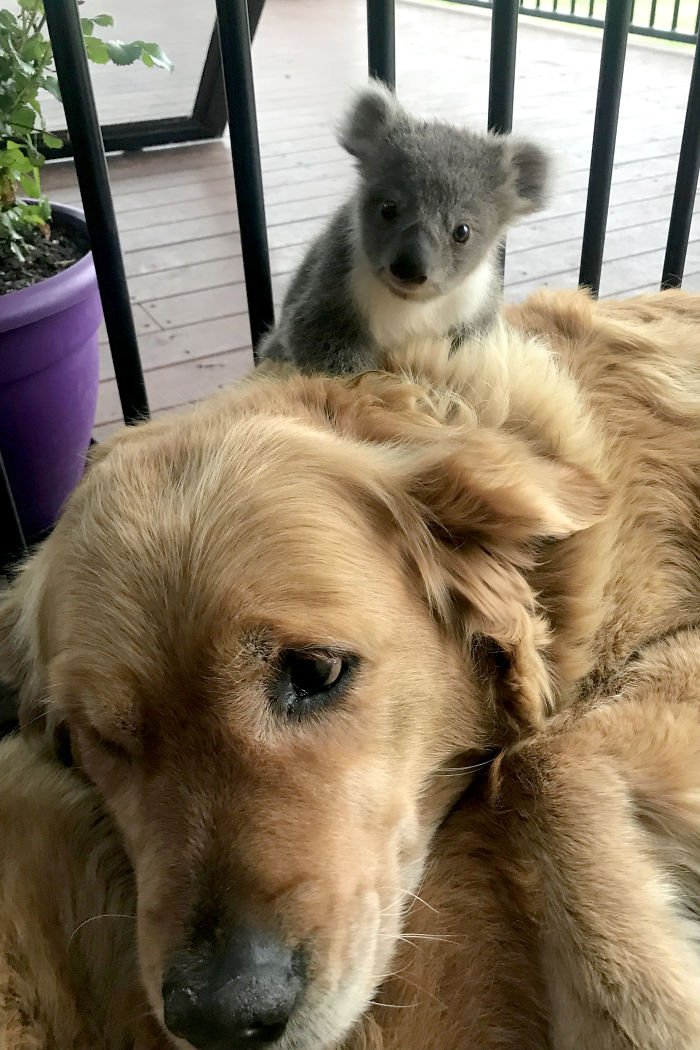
x=388 y=266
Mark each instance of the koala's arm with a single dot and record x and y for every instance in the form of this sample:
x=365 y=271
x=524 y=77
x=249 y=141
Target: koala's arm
x=320 y=328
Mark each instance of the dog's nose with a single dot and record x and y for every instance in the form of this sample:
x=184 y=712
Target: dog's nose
x=238 y=999
x=409 y=268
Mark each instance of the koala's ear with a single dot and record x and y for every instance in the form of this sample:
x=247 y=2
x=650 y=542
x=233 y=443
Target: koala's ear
x=367 y=120
x=528 y=168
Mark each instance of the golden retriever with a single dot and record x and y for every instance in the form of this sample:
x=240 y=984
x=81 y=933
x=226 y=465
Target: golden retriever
x=555 y=911
x=278 y=626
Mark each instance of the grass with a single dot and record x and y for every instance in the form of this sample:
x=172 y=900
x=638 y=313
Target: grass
x=663 y=11
x=663 y=16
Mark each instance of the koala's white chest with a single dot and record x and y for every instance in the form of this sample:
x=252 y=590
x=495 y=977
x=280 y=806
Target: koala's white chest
x=393 y=320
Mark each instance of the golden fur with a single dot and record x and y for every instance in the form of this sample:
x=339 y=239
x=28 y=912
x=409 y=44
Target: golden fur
x=493 y=536
x=68 y=978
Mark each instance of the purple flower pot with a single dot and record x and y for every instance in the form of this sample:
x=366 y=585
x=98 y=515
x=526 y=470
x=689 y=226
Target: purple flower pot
x=49 y=374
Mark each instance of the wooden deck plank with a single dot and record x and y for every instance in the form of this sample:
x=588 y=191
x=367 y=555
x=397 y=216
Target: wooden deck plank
x=179 y=383
x=202 y=339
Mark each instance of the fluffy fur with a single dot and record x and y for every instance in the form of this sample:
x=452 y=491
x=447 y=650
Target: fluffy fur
x=353 y=296
x=68 y=972
x=486 y=538
x=558 y=909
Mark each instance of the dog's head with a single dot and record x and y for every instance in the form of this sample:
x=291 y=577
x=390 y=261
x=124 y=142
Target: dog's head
x=434 y=199
x=272 y=627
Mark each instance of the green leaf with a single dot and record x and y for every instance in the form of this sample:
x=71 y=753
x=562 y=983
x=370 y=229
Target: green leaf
x=23 y=118
x=30 y=185
x=103 y=20
x=7 y=20
x=87 y=25
x=13 y=159
x=52 y=141
x=51 y=85
x=29 y=5
x=97 y=50
x=156 y=55
x=122 y=54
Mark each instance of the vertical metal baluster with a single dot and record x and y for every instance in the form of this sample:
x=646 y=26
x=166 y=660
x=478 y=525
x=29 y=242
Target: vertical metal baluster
x=91 y=166
x=674 y=20
x=696 y=30
x=381 y=41
x=12 y=543
x=612 y=66
x=234 y=38
x=652 y=14
x=686 y=185
x=504 y=38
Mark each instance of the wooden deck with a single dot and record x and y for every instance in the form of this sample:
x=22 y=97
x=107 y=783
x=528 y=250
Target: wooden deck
x=176 y=207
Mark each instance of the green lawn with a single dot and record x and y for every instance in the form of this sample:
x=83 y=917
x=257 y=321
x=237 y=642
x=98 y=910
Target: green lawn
x=663 y=11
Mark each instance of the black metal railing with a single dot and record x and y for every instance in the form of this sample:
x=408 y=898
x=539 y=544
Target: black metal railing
x=649 y=18
x=234 y=77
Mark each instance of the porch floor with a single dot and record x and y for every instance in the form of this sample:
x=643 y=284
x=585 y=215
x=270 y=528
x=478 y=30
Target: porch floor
x=176 y=207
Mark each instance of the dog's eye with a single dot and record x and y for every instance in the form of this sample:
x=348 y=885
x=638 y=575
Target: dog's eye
x=461 y=233
x=310 y=680
x=389 y=210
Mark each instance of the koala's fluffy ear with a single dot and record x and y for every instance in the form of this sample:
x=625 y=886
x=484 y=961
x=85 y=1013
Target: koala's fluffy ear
x=366 y=122
x=529 y=167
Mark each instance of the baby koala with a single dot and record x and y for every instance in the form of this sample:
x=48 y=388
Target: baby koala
x=414 y=251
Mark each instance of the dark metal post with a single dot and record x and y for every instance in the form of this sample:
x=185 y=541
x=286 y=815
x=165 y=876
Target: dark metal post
x=504 y=36
x=84 y=129
x=612 y=66
x=234 y=38
x=686 y=185
x=12 y=543
x=381 y=44
x=504 y=39
x=209 y=110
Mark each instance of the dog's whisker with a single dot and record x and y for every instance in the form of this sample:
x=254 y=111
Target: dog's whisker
x=393 y=1006
x=93 y=918
x=418 y=987
x=411 y=938
x=458 y=771
x=415 y=896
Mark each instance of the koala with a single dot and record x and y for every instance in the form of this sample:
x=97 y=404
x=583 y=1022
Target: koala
x=414 y=252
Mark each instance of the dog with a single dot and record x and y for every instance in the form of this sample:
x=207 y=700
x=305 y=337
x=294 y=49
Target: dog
x=273 y=624
x=69 y=976
x=415 y=250
x=559 y=908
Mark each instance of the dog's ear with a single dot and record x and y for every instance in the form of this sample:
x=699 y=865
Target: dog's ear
x=22 y=659
x=527 y=169
x=474 y=506
x=486 y=505
x=368 y=120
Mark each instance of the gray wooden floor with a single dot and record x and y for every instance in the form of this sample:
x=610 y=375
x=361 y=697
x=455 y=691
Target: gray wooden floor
x=176 y=207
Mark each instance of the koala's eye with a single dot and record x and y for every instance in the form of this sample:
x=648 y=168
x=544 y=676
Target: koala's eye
x=390 y=210
x=461 y=233
x=308 y=681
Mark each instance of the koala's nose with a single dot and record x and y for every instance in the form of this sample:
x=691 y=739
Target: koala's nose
x=238 y=999
x=410 y=267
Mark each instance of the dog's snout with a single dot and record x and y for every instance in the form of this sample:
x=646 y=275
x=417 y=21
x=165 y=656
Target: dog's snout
x=410 y=267
x=238 y=998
